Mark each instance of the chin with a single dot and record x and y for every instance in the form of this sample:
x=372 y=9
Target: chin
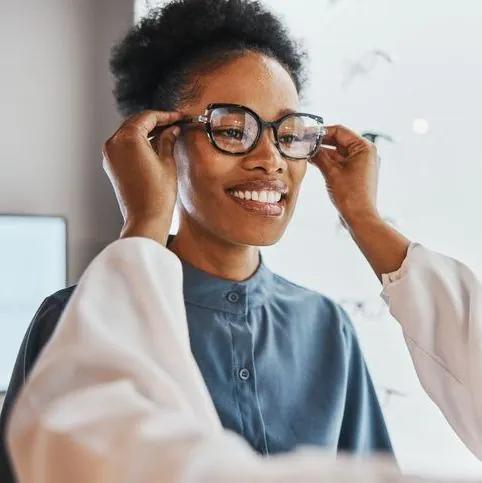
x=253 y=237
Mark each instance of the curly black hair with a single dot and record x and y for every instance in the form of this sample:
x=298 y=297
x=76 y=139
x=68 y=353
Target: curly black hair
x=156 y=65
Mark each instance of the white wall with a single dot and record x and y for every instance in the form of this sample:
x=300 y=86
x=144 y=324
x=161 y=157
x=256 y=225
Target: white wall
x=56 y=111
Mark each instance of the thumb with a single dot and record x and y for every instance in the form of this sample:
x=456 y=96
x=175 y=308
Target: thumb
x=328 y=161
x=166 y=142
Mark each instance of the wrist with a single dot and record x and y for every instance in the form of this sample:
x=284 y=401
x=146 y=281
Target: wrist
x=361 y=218
x=156 y=229
x=384 y=247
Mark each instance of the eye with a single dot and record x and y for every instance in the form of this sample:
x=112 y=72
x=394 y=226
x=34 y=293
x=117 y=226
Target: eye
x=290 y=138
x=231 y=133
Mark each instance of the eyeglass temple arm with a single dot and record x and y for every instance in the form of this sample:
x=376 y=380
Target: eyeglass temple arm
x=190 y=120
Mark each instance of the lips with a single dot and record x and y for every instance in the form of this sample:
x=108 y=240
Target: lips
x=261 y=185
x=262 y=197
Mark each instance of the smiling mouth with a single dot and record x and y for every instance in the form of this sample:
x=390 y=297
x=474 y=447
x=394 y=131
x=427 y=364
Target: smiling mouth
x=266 y=202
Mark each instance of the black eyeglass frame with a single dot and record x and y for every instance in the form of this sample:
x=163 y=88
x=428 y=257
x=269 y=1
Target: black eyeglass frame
x=262 y=125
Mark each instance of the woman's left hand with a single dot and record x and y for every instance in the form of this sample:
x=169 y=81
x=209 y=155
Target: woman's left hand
x=350 y=172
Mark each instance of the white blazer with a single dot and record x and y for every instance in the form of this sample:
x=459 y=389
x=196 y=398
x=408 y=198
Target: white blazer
x=116 y=395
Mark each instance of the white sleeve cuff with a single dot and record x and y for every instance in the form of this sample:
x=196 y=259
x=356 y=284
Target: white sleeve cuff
x=388 y=278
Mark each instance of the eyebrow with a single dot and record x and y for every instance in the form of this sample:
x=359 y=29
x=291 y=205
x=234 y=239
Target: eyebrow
x=284 y=112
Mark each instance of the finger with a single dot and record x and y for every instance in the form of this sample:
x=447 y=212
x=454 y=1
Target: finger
x=156 y=119
x=336 y=153
x=328 y=161
x=332 y=158
x=330 y=145
x=343 y=137
x=147 y=121
x=167 y=141
x=332 y=155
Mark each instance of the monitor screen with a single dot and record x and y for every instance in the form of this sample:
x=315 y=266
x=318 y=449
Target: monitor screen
x=33 y=265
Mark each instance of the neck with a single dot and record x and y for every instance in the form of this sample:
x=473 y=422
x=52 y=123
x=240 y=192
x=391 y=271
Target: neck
x=213 y=255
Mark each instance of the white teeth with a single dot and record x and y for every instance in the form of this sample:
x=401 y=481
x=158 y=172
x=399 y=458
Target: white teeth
x=260 y=196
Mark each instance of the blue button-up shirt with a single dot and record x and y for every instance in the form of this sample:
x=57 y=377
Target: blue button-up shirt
x=282 y=364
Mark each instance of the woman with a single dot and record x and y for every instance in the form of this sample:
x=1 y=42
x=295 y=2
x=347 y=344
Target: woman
x=281 y=363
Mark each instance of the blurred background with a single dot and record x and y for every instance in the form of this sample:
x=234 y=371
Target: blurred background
x=407 y=74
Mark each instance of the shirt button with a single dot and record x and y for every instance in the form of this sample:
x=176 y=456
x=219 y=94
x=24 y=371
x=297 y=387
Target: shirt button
x=244 y=374
x=233 y=297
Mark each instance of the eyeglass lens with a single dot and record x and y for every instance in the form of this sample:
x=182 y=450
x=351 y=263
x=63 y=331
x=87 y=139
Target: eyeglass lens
x=236 y=131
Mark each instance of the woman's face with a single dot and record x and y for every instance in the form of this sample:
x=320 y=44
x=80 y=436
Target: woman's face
x=211 y=182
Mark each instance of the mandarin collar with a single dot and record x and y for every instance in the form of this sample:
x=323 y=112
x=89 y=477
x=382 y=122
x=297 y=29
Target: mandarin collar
x=215 y=293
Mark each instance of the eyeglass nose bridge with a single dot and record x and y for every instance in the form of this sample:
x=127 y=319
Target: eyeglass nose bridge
x=263 y=126
x=274 y=125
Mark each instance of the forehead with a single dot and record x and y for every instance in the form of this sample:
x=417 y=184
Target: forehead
x=254 y=81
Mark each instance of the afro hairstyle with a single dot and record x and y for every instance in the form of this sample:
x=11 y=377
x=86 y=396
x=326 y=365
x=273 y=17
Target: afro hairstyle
x=157 y=63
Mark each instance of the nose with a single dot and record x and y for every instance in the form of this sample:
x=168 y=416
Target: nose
x=265 y=156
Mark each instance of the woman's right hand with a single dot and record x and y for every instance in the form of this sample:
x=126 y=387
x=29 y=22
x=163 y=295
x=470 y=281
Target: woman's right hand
x=143 y=173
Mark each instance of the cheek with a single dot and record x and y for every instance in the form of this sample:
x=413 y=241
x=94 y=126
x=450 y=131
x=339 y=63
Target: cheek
x=200 y=171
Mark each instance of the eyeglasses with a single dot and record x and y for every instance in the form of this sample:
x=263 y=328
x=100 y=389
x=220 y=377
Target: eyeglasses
x=236 y=130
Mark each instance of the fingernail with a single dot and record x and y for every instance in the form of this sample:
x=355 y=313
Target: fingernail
x=176 y=131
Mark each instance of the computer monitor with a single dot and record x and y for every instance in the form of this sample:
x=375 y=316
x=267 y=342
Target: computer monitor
x=33 y=265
